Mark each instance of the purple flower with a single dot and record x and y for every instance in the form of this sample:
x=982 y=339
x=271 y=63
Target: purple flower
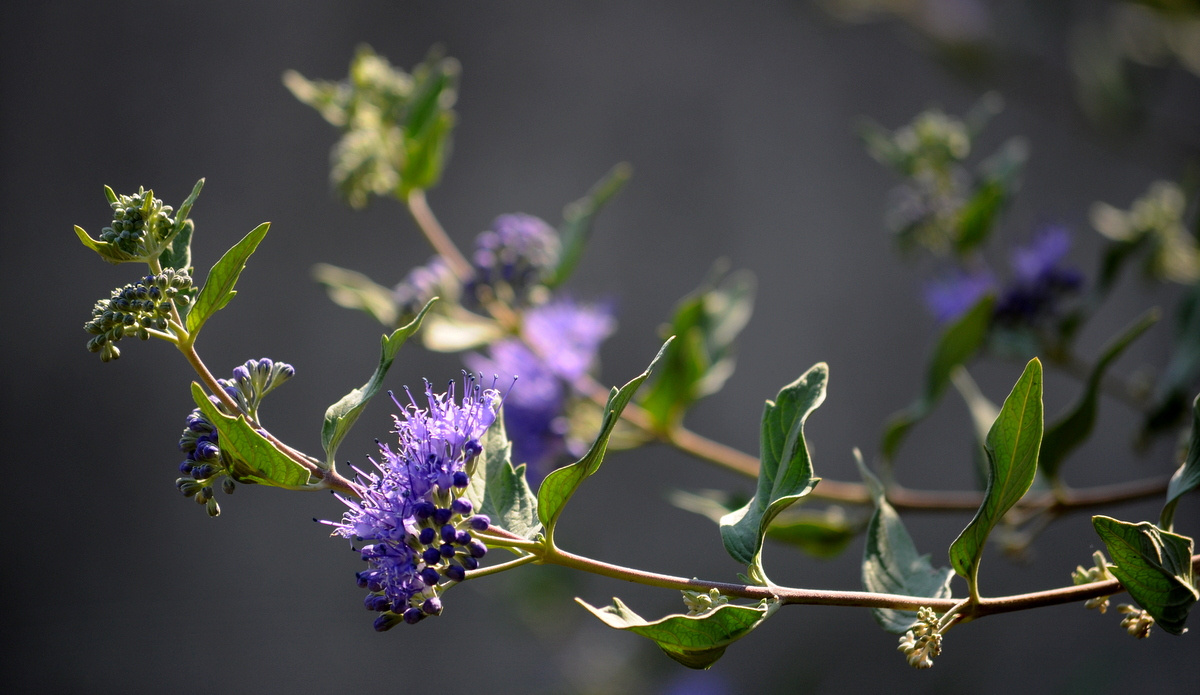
x=954 y=293
x=1039 y=280
x=517 y=251
x=412 y=517
x=423 y=283
x=560 y=343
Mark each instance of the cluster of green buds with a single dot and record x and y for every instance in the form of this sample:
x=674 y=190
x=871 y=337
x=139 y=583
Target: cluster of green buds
x=923 y=642
x=1136 y=622
x=141 y=224
x=136 y=310
x=699 y=602
x=1098 y=572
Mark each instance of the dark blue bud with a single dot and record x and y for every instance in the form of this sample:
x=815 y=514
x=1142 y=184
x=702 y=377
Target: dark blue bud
x=185 y=467
x=430 y=576
x=424 y=509
x=462 y=538
x=447 y=551
x=387 y=621
x=240 y=373
x=449 y=534
x=462 y=506
x=376 y=602
x=477 y=549
x=456 y=573
x=432 y=606
x=470 y=563
x=442 y=515
x=471 y=449
x=412 y=616
x=203 y=472
x=480 y=522
x=428 y=536
x=361 y=578
x=431 y=556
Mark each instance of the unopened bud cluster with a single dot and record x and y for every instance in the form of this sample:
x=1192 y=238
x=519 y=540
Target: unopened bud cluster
x=205 y=463
x=141 y=223
x=923 y=642
x=699 y=602
x=135 y=310
x=1098 y=572
x=1136 y=622
x=423 y=283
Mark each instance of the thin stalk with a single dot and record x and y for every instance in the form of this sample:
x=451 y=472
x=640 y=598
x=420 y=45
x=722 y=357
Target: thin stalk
x=418 y=206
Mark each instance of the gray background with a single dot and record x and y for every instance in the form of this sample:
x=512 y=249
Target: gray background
x=738 y=121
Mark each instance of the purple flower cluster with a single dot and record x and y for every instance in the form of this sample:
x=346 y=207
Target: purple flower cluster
x=514 y=255
x=1039 y=280
x=413 y=516
x=559 y=343
x=434 y=279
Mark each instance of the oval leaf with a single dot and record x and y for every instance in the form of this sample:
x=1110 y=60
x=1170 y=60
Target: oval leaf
x=785 y=470
x=1012 y=452
x=891 y=564
x=500 y=491
x=1187 y=477
x=257 y=458
x=696 y=641
x=1155 y=567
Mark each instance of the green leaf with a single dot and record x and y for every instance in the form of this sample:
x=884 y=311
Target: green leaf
x=1154 y=566
x=1075 y=426
x=1187 y=477
x=706 y=325
x=255 y=458
x=696 y=641
x=341 y=416
x=179 y=255
x=957 y=344
x=891 y=564
x=1182 y=370
x=578 y=218
x=353 y=290
x=785 y=472
x=557 y=487
x=1012 y=451
x=218 y=286
x=999 y=174
x=427 y=122
x=501 y=491
x=107 y=251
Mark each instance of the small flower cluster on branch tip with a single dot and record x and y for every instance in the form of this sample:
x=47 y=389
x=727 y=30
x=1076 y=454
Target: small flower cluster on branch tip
x=135 y=310
x=413 y=516
x=923 y=642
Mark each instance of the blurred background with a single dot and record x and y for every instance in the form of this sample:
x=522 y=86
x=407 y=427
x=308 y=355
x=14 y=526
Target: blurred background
x=739 y=123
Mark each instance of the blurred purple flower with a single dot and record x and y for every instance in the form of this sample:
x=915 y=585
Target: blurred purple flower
x=1039 y=280
x=951 y=295
x=519 y=250
x=561 y=339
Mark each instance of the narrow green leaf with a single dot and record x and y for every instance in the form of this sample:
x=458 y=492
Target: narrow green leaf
x=107 y=251
x=179 y=255
x=1012 y=452
x=1187 y=477
x=957 y=344
x=1154 y=566
x=1073 y=427
x=706 y=325
x=341 y=416
x=696 y=641
x=256 y=459
x=1175 y=384
x=500 y=491
x=557 y=487
x=218 y=286
x=785 y=472
x=578 y=218
x=891 y=564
